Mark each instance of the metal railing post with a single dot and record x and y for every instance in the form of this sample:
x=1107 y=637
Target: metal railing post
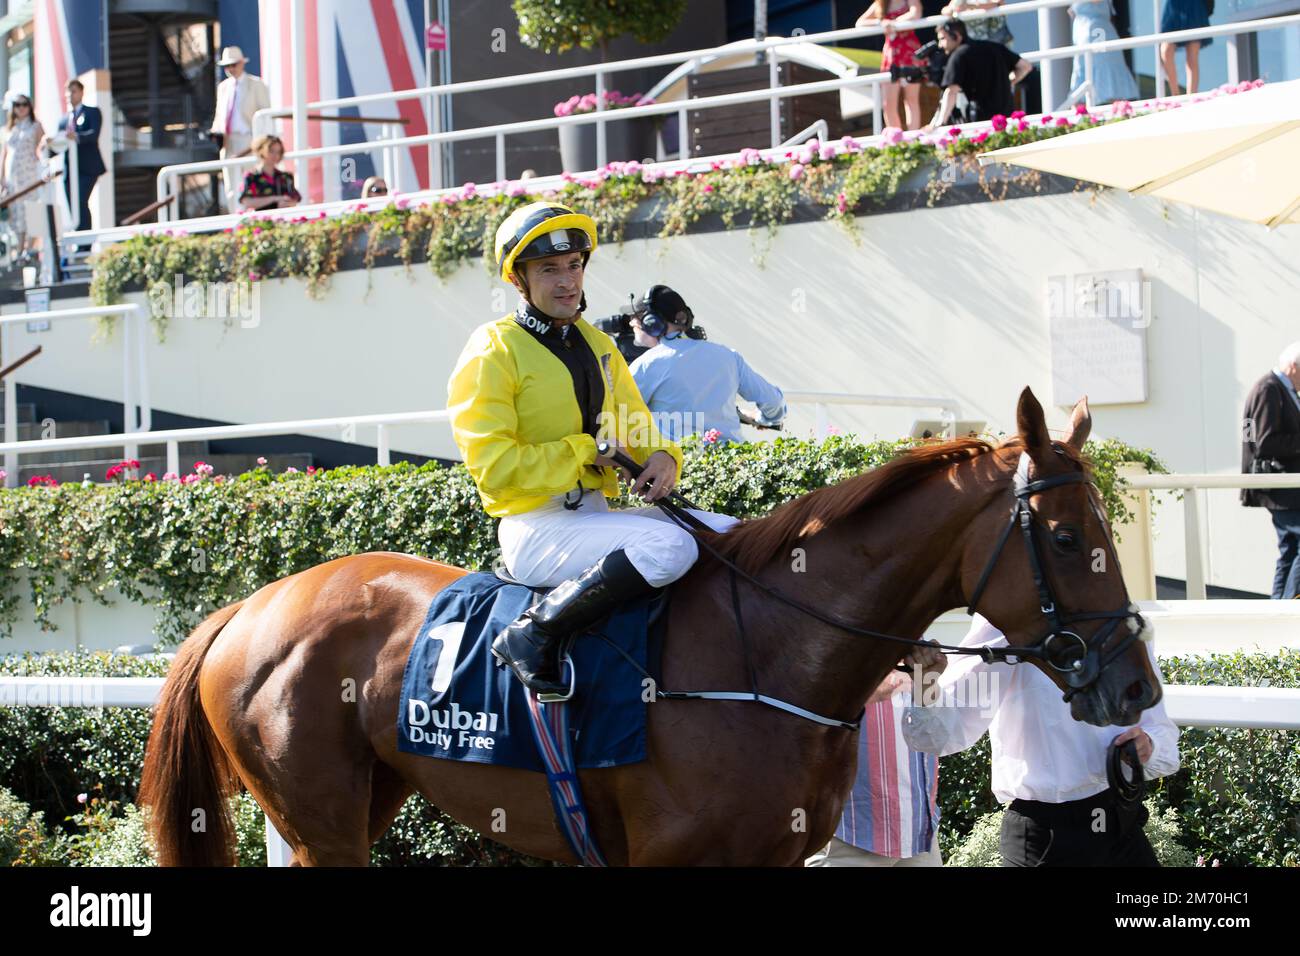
x=683 y=134
x=877 y=109
x=1089 y=93
x=11 y=412
x=381 y=442
x=129 y=421
x=1234 y=59
x=774 y=102
x=1192 y=533
x=501 y=157
x=1160 y=66
x=174 y=457
x=823 y=420
x=142 y=367
x=601 y=156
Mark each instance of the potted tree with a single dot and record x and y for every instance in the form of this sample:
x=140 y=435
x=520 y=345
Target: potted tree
x=556 y=26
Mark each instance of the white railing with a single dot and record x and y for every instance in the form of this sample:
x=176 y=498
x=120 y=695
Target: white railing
x=773 y=94
x=949 y=410
x=172 y=437
x=1191 y=487
x=135 y=375
x=600 y=116
x=1267 y=708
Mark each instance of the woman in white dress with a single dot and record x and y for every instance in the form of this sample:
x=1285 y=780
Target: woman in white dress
x=1111 y=79
x=19 y=164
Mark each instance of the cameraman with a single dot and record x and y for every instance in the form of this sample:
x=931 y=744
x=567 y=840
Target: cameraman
x=1271 y=444
x=985 y=71
x=690 y=385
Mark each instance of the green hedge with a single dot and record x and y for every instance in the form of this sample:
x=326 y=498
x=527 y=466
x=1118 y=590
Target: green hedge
x=1237 y=795
x=191 y=548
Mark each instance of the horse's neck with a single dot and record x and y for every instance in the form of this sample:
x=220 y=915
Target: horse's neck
x=893 y=569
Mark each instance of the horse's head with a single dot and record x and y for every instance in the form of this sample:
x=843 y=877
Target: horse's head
x=1046 y=575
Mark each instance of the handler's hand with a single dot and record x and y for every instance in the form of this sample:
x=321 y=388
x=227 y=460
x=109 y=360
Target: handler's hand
x=930 y=660
x=660 y=473
x=1144 y=745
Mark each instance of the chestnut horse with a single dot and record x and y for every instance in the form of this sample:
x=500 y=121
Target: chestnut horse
x=257 y=695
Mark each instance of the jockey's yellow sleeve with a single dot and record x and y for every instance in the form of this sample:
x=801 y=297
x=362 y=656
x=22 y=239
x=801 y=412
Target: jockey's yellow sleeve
x=516 y=420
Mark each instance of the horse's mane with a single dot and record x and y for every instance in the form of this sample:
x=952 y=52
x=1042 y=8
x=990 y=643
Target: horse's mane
x=759 y=541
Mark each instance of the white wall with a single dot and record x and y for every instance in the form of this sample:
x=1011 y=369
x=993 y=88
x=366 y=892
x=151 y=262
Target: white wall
x=931 y=302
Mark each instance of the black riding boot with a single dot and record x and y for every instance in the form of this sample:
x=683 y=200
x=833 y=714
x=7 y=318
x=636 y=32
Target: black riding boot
x=531 y=645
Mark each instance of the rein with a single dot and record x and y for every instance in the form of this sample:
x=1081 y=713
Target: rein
x=1081 y=662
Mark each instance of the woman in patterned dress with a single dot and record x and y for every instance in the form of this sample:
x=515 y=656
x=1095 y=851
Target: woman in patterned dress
x=19 y=162
x=900 y=50
x=268 y=187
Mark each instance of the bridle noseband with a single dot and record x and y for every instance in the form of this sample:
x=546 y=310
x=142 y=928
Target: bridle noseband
x=1079 y=661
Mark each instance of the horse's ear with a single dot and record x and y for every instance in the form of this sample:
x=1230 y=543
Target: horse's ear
x=1080 y=425
x=1032 y=425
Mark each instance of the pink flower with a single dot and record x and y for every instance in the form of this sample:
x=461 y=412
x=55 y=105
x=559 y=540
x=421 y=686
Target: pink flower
x=3 y=474
x=1018 y=114
x=1062 y=121
x=832 y=430
x=999 y=122
x=1121 y=108
x=706 y=188
x=171 y=476
x=750 y=156
x=82 y=798
x=291 y=470
x=189 y=479
x=586 y=103
x=1081 y=109
x=826 y=151
x=112 y=472
x=1022 y=126
x=311 y=469
x=711 y=436
x=1046 y=120
x=261 y=461
x=796 y=170
x=841 y=204
x=150 y=477
x=954 y=131
x=892 y=135
x=850 y=144
x=805 y=155
x=470 y=190
x=515 y=190
x=980 y=137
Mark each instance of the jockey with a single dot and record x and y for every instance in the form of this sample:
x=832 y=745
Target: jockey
x=529 y=397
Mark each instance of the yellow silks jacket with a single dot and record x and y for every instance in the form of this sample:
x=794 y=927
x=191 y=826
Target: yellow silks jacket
x=516 y=420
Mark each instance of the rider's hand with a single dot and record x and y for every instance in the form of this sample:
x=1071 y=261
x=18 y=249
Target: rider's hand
x=604 y=462
x=1144 y=745
x=660 y=473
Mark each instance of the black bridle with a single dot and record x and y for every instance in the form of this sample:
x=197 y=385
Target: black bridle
x=1079 y=661
x=1065 y=651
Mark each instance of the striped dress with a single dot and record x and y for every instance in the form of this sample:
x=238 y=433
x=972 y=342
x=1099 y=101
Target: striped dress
x=893 y=809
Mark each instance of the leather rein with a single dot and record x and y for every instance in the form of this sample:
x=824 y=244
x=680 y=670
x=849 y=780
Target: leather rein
x=1079 y=660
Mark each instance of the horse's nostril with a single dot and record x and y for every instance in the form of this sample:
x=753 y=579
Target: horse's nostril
x=1138 y=690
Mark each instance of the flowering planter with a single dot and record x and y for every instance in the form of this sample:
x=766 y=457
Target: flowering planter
x=625 y=139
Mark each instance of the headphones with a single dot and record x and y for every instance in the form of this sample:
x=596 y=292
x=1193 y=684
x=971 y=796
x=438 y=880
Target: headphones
x=652 y=321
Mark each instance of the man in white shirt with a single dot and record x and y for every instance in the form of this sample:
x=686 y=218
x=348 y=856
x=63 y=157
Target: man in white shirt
x=690 y=385
x=239 y=96
x=1050 y=768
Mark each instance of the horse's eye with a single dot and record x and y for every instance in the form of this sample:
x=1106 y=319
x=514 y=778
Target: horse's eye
x=1066 y=540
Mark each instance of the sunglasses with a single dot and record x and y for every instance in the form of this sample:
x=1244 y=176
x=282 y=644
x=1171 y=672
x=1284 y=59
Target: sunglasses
x=18 y=103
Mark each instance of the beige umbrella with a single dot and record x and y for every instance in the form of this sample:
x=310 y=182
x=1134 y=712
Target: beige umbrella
x=1236 y=154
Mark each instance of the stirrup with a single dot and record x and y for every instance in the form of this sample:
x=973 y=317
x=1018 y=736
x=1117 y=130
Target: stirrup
x=573 y=680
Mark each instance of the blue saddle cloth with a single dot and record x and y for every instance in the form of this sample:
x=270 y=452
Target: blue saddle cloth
x=457 y=705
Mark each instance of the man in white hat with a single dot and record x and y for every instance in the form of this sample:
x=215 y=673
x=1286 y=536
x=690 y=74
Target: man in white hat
x=239 y=96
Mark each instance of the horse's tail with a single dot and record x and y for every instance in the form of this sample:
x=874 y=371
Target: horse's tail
x=187 y=775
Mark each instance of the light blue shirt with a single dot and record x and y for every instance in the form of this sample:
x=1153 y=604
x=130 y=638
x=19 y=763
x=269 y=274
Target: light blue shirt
x=690 y=386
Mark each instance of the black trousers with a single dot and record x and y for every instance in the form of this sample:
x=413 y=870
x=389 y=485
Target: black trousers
x=1096 y=831
x=85 y=184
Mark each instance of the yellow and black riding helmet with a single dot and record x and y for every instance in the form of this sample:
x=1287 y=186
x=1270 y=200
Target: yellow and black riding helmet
x=542 y=229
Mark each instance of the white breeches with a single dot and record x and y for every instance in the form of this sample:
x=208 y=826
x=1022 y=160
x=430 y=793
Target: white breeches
x=552 y=544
